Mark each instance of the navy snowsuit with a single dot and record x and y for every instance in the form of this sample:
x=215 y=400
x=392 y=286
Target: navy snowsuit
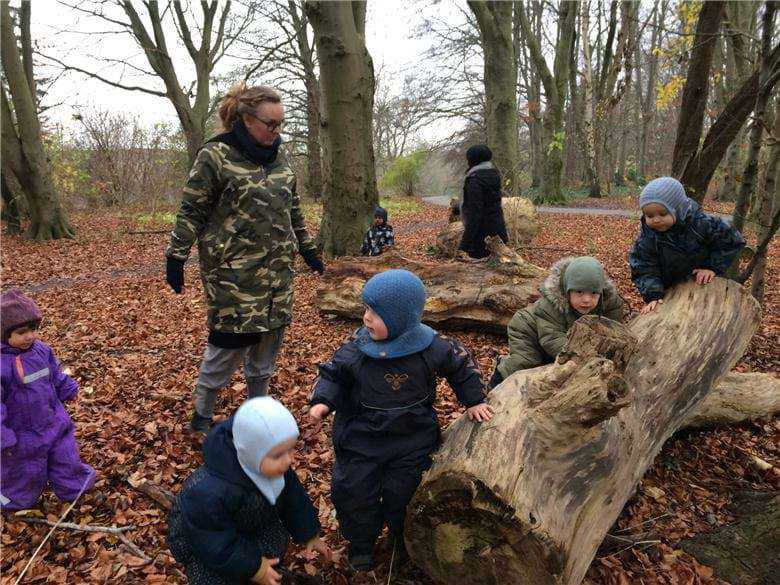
x=386 y=429
x=221 y=526
x=661 y=259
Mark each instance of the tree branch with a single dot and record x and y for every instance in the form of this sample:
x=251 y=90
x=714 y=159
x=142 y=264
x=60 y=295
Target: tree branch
x=67 y=67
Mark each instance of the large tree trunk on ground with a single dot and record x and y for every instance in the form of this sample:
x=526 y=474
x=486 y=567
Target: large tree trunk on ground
x=736 y=398
x=347 y=85
x=484 y=293
x=528 y=497
x=494 y=20
x=746 y=552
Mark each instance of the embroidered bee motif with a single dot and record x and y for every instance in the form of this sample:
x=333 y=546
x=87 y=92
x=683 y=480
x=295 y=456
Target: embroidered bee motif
x=396 y=380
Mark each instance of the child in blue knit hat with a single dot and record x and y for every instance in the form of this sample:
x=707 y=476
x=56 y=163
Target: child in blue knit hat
x=382 y=385
x=678 y=241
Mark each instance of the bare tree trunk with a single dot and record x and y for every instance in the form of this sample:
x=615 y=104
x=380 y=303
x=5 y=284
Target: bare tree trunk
x=536 y=100
x=305 y=51
x=769 y=205
x=648 y=106
x=22 y=148
x=494 y=20
x=555 y=86
x=10 y=214
x=697 y=165
x=696 y=90
x=347 y=84
x=528 y=497
x=750 y=174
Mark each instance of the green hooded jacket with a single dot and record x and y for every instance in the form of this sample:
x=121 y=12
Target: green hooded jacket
x=537 y=333
x=249 y=226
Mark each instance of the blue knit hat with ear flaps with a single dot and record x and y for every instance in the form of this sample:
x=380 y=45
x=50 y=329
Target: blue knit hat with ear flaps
x=670 y=193
x=398 y=297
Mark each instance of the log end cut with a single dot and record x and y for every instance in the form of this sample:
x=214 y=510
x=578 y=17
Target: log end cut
x=476 y=538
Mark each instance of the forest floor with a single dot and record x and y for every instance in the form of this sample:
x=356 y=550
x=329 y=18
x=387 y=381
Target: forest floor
x=135 y=347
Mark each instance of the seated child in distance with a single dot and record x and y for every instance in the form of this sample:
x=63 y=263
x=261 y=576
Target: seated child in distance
x=234 y=517
x=575 y=287
x=380 y=236
x=678 y=241
x=37 y=441
x=382 y=385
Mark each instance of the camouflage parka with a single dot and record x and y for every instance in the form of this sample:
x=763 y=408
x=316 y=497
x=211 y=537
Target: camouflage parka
x=248 y=223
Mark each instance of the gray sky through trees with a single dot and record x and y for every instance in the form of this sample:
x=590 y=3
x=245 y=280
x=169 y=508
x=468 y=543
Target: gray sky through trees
x=72 y=37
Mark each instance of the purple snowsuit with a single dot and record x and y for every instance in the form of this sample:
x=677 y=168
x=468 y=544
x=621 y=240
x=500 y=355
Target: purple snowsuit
x=36 y=433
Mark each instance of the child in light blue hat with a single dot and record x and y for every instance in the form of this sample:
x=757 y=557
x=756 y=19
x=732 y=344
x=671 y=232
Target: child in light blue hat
x=678 y=241
x=233 y=520
x=382 y=385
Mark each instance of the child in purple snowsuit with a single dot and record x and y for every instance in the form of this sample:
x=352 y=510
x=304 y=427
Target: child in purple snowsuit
x=36 y=433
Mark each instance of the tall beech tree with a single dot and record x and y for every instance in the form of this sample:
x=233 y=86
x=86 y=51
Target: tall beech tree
x=695 y=160
x=555 y=85
x=22 y=148
x=494 y=20
x=347 y=86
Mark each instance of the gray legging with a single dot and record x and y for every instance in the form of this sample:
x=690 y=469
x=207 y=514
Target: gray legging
x=219 y=364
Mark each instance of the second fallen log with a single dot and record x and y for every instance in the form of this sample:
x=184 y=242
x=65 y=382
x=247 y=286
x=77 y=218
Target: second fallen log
x=528 y=497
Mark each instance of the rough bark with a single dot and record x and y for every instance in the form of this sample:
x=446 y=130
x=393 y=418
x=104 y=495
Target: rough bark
x=750 y=174
x=696 y=90
x=736 y=398
x=528 y=497
x=768 y=206
x=305 y=53
x=484 y=293
x=745 y=552
x=697 y=165
x=648 y=102
x=11 y=215
x=22 y=148
x=555 y=84
x=494 y=20
x=347 y=85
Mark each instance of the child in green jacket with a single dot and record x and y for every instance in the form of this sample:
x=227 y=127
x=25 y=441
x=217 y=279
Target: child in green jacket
x=575 y=287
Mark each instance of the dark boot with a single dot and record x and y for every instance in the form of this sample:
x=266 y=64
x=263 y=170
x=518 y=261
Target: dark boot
x=361 y=557
x=200 y=424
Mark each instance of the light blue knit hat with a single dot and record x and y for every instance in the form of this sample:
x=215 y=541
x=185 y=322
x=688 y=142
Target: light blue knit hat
x=258 y=426
x=670 y=193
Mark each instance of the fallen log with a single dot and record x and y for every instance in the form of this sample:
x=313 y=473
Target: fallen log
x=519 y=217
x=528 y=497
x=484 y=293
x=745 y=552
x=736 y=398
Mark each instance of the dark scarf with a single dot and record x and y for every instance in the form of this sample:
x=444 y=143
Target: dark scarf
x=240 y=139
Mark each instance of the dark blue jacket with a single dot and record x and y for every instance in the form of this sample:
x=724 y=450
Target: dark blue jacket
x=661 y=259
x=222 y=521
x=381 y=400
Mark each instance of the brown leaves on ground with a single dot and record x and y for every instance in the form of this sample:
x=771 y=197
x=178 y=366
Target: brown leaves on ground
x=135 y=347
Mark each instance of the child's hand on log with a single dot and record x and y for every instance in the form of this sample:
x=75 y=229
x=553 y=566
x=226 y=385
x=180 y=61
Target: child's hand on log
x=703 y=275
x=480 y=412
x=319 y=411
x=649 y=307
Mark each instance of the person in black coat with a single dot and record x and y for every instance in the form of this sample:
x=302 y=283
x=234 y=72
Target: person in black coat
x=382 y=386
x=481 y=207
x=234 y=517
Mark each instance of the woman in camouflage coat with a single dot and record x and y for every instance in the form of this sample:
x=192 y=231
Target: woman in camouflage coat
x=240 y=204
